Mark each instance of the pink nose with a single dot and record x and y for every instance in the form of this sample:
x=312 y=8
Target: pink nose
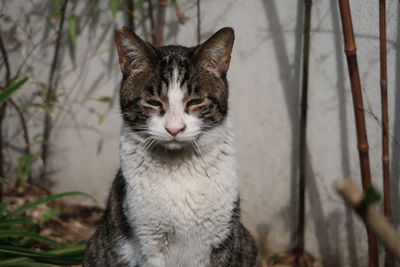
x=175 y=131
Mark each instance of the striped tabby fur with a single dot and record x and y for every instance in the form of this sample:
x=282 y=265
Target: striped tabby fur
x=175 y=199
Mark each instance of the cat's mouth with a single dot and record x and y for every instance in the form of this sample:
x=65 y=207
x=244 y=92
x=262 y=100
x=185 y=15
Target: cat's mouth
x=174 y=144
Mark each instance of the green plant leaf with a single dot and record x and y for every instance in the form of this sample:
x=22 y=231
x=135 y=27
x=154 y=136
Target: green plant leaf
x=24 y=262
x=101 y=119
x=13 y=261
x=38 y=139
x=140 y=3
x=51 y=214
x=43 y=106
x=47 y=200
x=5 y=182
x=3 y=208
x=43 y=256
x=114 y=8
x=74 y=250
x=371 y=196
x=104 y=99
x=95 y=3
x=16 y=221
x=73 y=28
x=28 y=234
x=24 y=167
x=11 y=89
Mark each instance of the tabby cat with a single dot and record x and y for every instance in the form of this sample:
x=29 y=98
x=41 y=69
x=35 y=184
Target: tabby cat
x=175 y=199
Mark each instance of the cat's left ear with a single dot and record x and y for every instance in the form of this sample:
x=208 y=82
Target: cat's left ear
x=215 y=53
x=135 y=55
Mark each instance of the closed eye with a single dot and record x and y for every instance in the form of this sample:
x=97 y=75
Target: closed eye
x=154 y=103
x=193 y=102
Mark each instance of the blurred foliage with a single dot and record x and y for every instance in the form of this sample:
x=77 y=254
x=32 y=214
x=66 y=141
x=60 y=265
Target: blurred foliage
x=22 y=245
x=14 y=85
x=371 y=196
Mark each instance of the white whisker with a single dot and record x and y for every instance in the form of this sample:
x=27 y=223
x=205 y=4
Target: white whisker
x=197 y=148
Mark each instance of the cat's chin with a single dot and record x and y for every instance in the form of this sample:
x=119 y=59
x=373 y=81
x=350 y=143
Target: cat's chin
x=173 y=145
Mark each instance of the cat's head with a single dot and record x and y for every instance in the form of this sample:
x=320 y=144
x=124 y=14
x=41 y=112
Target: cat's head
x=172 y=94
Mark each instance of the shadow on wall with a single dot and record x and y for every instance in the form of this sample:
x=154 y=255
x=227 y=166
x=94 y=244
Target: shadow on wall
x=290 y=83
x=328 y=240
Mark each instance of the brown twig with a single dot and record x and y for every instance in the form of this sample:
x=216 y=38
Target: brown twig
x=159 y=38
x=4 y=54
x=25 y=131
x=15 y=106
x=179 y=13
x=51 y=91
x=23 y=125
x=351 y=55
x=7 y=78
x=152 y=26
x=371 y=216
x=385 y=119
x=303 y=126
x=130 y=14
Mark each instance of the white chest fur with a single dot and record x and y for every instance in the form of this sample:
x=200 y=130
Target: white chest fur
x=178 y=205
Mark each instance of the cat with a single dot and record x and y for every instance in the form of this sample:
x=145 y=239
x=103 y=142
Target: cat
x=175 y=199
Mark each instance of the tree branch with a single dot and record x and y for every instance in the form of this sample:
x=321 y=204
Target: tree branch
x=3 y=109
x=51 y=91
x=6 y=62
x=372 y=218
x=23 y=125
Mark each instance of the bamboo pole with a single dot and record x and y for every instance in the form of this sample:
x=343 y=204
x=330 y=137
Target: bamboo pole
x=385 y=119
x=351 y=55
x=198 y=22
x=160 y=23
x=386 y=233
x=130 y=14
x=152 y=24
x=303 y=127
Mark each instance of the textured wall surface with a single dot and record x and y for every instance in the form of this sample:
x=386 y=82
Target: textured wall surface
x=264 y=77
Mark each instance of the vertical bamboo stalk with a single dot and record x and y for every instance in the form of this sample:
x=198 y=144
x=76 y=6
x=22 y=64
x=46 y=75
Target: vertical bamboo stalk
x=152 y=26
x=351 y=55
x=303 y=127
x=130 y=14
x=385 y=119
x=198 y=23
x=160 y=23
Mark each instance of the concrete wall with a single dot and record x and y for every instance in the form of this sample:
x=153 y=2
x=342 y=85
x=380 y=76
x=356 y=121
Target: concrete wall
x=264 y=77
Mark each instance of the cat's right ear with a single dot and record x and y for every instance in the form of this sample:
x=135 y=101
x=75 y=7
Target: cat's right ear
x=135 y=55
